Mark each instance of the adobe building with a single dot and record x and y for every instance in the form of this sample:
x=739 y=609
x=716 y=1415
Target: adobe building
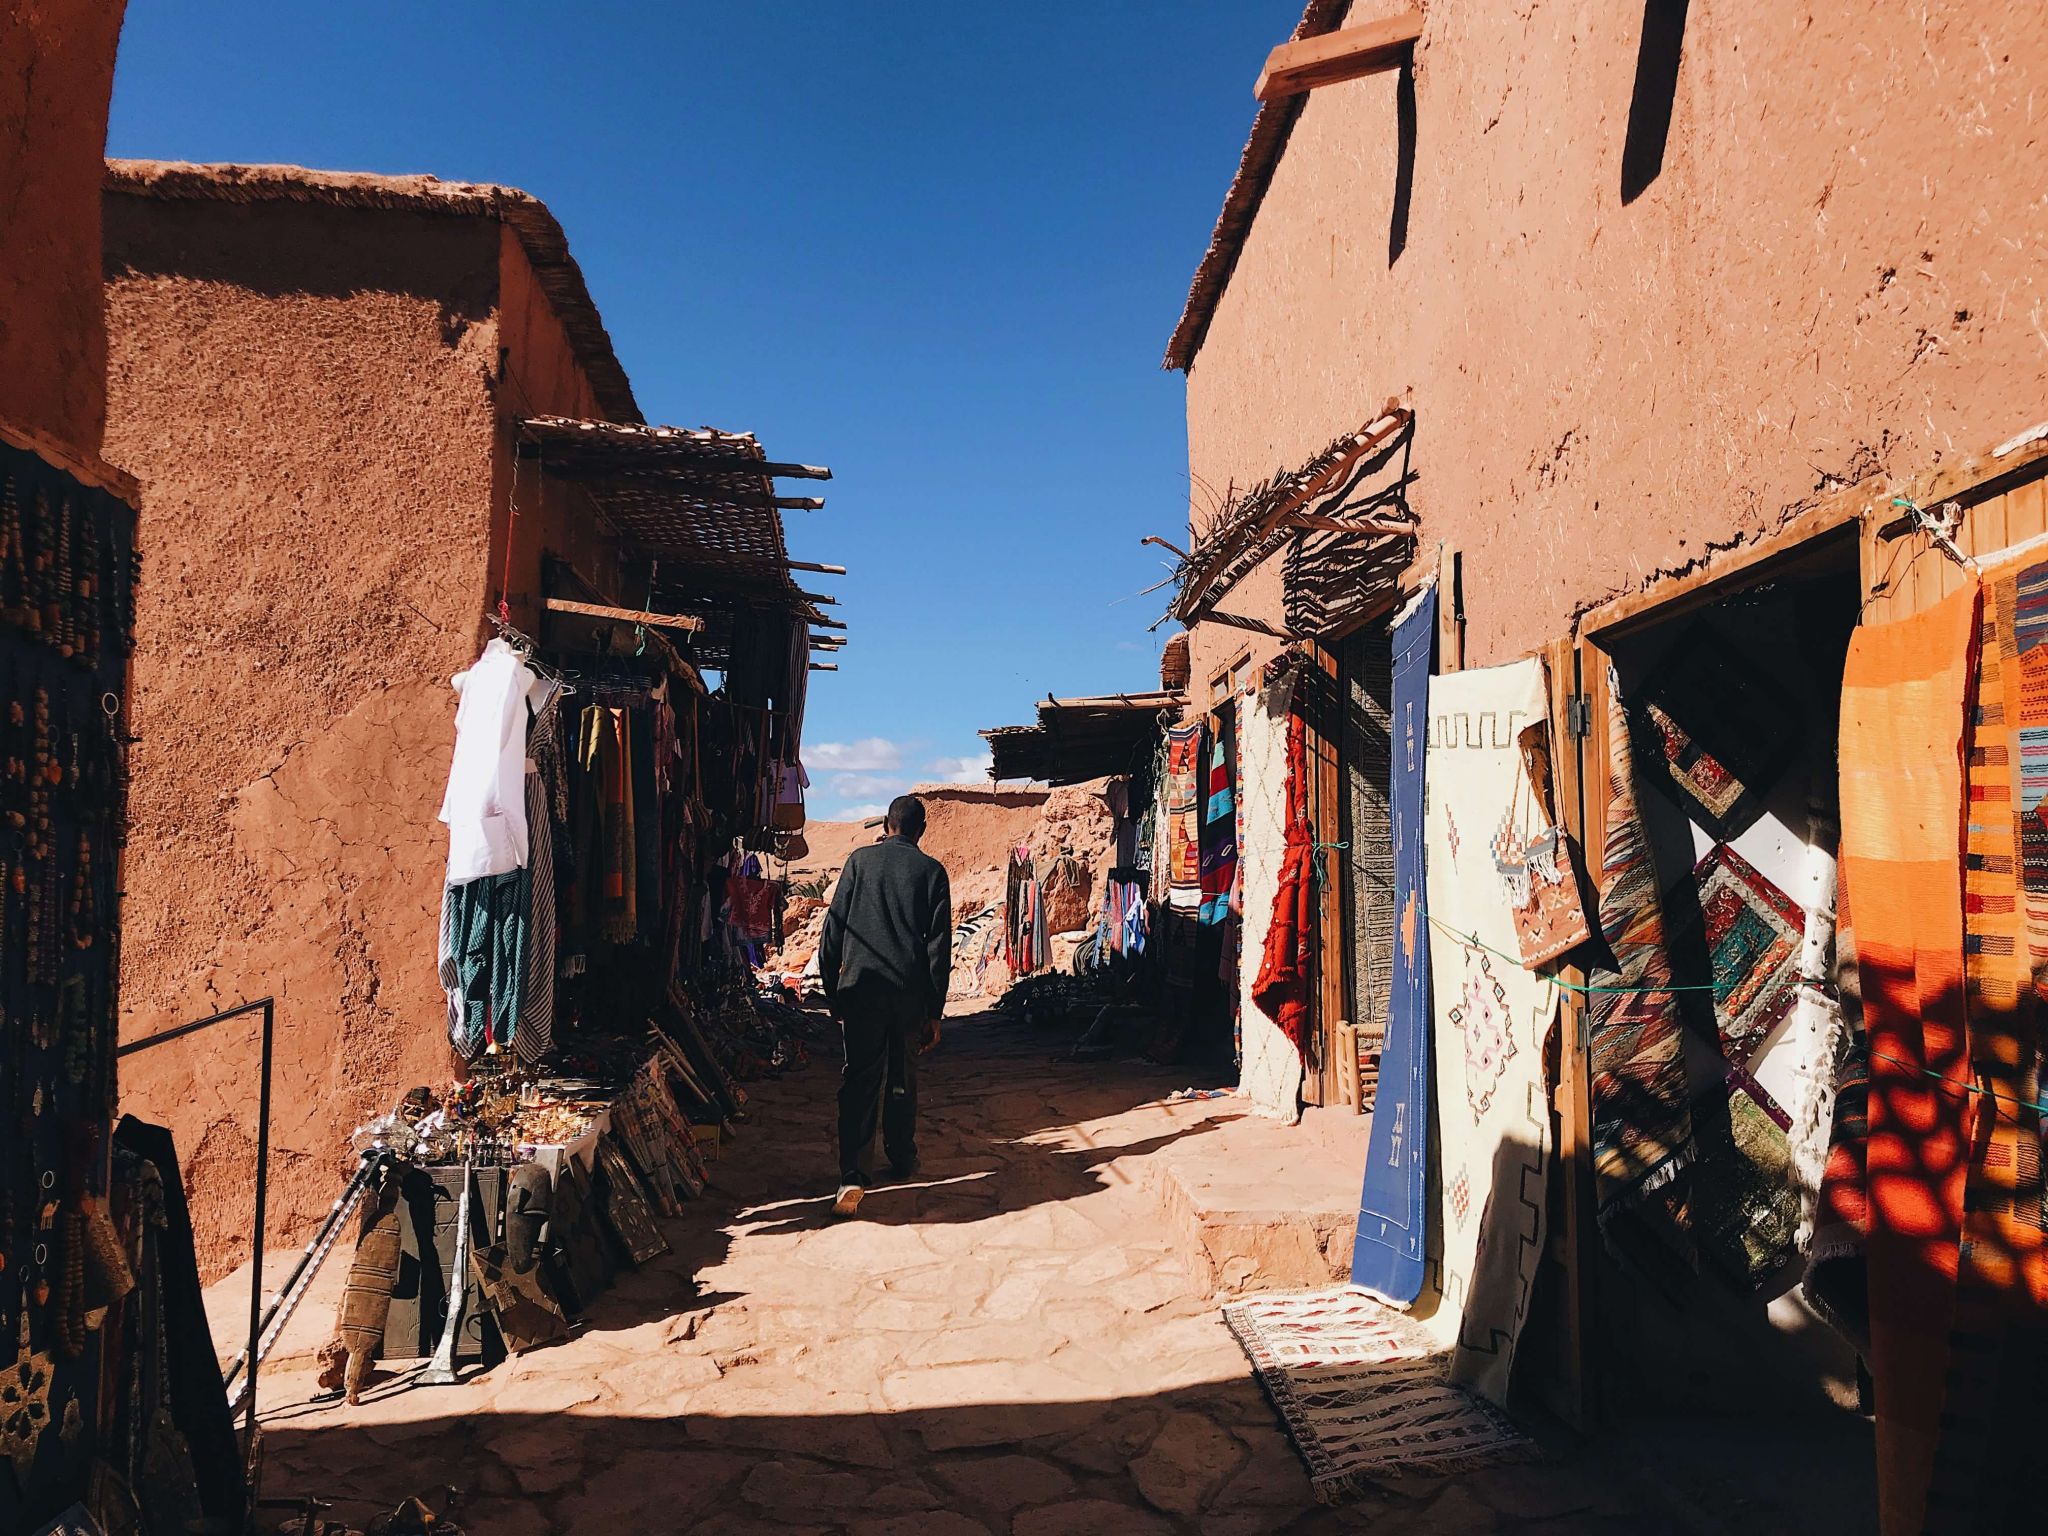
x=368 y=413
x=1716 y=329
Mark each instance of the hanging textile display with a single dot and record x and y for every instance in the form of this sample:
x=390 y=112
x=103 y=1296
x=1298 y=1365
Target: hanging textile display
x=1271 y=1071
x=1753 y=934
x=1642 y=1123
x=1219 y=820
x=1714 y=733
x=1388 y=1257
x=544 y=754
x=1904 y=694
x=1184 y=816
x=1284 y=989
x=1490 y=1019
x=1998 y=1344
x=1837 y=1281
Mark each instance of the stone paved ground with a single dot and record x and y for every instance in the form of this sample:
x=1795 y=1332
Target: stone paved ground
x=1008 y=1347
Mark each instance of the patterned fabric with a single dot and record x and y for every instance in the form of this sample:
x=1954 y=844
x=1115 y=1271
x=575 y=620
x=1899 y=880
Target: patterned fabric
x=1745 y=1200
x=1362 y=1391
x=1904 y=693
x=1219 y=821
x=1491 y=1017
x=1642 y=1127
x=1753 y=934
x=366 y=1295
x=1998 y=1345
x=1387 y=1257
x=1714 y=733
x=1183 y=816
x=1272 y=1067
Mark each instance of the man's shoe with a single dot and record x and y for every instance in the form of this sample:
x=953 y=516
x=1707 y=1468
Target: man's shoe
x=848 y=1200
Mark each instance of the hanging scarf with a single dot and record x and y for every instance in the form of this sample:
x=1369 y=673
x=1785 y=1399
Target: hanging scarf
x=1219 y=824
x=1287 y=969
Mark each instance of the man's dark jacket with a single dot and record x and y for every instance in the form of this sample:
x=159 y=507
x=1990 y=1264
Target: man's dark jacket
x=891 y=926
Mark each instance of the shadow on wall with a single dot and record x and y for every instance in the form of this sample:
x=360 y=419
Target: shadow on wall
x=1656 y=91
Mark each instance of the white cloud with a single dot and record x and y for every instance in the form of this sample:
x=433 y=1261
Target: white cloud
x=865 y=786
x=864 y=756
x=972 y=769
x=861 y=812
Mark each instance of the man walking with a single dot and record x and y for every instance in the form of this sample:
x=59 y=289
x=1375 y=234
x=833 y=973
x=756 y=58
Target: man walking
x=885 y=958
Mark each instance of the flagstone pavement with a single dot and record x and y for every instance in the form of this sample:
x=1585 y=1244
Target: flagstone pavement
x=1005 y=1346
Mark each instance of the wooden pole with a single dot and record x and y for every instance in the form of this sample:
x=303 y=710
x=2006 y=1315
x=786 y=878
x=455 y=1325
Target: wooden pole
x=682 y=621
x=808 y=565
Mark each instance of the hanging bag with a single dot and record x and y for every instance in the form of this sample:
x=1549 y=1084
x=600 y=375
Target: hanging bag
x=1541 y=871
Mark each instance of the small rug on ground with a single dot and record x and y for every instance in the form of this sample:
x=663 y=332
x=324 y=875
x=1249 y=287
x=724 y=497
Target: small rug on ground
x=1361 y=1389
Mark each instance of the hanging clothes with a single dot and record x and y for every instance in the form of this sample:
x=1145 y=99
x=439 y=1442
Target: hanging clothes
x=606 y=754
x=1270 y=1072
x=1287 y=967
x=1219 y=820
x=1183 y=800
x=535 y=1035
x=484 y=806
x=484 y=927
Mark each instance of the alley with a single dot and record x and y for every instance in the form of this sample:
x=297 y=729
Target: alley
x=1007 y=1345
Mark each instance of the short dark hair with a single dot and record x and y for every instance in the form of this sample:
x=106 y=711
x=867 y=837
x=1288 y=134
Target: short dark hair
x=906 y=816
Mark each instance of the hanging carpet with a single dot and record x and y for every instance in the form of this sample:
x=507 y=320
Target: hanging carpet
x=1219 y=820
x=1387 y=1258
x=1714 y=732
x=1184 y=816
x=1642 y=1126
x=1272 y=1069
x=1490 y=1020
x=1361 y=1389
x=1753 y=934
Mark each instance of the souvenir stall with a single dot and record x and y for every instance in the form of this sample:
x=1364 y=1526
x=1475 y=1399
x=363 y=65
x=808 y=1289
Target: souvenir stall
x=99 y=1403
x=617 y=786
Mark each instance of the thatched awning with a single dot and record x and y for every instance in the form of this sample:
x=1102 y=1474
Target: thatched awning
x=1340 y=531
x=701 y=506
x=1080 y=739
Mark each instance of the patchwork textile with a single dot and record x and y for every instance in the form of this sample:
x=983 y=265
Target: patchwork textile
x=1362 y=1391
x=1183 y=816
x=1272 y=1070
x=1642 y=1125
x=1745 y=1200
x=1219 y=820
x=1387 y=1257
x=1754 y=934
x=1904 y=693
x=1491 y=1017
x=1714 y=733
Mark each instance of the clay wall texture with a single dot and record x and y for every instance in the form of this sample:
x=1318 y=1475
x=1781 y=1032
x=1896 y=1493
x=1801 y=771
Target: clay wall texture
x=305 y=394
x=1839 y=272
x=56 y=78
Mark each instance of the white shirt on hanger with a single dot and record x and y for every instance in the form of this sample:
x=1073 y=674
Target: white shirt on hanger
x=485 y=806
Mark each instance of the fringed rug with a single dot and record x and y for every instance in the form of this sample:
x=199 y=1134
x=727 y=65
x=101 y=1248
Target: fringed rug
x=1361 y=1389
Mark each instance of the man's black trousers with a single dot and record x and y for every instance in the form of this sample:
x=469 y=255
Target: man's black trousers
x=883 y=1029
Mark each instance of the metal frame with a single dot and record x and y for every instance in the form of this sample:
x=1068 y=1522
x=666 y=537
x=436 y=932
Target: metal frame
x=267 y=1006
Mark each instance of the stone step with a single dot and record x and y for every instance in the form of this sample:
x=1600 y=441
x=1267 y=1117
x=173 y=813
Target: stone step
x=1254 y=1205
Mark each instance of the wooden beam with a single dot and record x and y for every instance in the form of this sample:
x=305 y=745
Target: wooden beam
x=824 y=666
x=1239 y=621
x=1398 y=526
x=818 y=597
x=828 y=623
x=1334 y=57
x=822 y=570
x=798 y=503
x=827 y=642
x=682 y=621
x=1450 y=613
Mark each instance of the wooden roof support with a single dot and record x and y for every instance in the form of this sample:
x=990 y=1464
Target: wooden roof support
x=824 y=666
x=828 y=623
x=798 y=503
x=1334 y=57
x=827 y=642
x=822 y=570
x=682 y=621
x=1400 y=526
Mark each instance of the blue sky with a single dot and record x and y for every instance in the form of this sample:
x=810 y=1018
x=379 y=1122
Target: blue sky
x=937 y=247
